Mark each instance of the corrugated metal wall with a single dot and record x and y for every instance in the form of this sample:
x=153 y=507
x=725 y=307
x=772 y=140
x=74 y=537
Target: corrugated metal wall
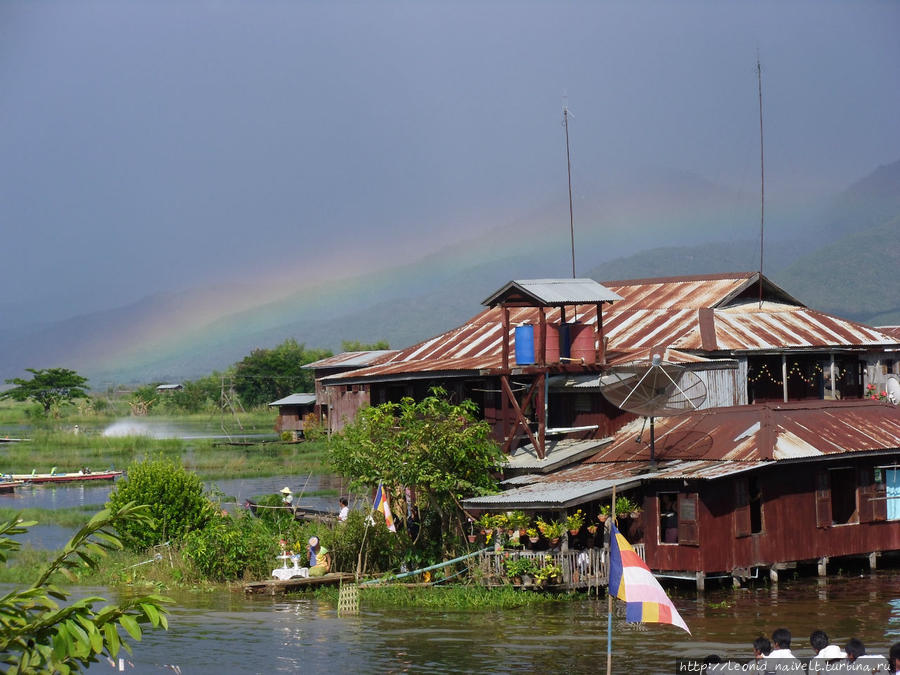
x=726 y=386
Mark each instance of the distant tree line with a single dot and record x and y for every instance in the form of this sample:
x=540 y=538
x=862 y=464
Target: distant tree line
x=263 y=376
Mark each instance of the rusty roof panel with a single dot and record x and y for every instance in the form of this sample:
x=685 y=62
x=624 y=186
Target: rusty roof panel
x=762 y=433
x=654 y=314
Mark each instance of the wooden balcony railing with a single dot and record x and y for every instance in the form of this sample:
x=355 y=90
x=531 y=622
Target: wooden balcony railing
x=582 y=569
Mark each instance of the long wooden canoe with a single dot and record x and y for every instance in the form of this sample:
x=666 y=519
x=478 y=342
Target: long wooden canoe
x=77 y=476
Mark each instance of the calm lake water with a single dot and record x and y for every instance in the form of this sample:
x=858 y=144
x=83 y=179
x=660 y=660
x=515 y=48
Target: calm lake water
x=228 y=633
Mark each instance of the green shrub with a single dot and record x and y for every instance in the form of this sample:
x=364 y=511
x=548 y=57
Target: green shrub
x=229 y=549
x=383 y=550
x=174 y=495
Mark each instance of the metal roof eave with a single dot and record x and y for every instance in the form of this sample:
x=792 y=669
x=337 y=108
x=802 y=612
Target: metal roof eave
x=517 y=501
x=340 y=379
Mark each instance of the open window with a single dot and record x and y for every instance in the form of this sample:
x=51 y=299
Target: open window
x=668 y=517
x=844 y=507
x=747 y=507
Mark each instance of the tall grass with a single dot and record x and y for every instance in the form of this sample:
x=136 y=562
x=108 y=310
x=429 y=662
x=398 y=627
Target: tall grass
x=71 y=452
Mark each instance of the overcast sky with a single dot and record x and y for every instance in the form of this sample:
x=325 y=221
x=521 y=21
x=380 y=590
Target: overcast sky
x=150 y=146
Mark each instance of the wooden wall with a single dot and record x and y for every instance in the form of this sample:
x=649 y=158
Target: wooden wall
x=793 y=530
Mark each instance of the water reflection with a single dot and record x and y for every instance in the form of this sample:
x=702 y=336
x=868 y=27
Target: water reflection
x=229 y=633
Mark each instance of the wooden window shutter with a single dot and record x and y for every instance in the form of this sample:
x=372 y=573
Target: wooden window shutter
x=741 y=508
x=872 y=503
x=823 y=499
x=688 y=519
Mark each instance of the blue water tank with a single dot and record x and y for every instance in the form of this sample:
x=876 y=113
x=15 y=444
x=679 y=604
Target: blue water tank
x=525 y=345
x=565 y=341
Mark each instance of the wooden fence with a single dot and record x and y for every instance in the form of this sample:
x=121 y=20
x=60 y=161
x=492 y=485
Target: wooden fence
x=584 y=569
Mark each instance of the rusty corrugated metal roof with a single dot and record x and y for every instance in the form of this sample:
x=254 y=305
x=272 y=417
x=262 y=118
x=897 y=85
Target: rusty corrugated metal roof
x=763 y=432
x=689 y=316
x=710 y=445
x=892 y=331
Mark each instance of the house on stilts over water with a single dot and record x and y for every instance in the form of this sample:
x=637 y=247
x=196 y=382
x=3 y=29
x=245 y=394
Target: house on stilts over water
x=787 y=460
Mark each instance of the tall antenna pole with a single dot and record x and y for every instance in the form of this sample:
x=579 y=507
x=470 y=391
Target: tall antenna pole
x=762 y=179
x=569 y=169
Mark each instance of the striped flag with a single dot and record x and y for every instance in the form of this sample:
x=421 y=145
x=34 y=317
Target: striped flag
x=632 y=581
x=382 y=504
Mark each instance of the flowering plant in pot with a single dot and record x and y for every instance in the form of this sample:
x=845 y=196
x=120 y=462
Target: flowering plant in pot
x=518 y=521
x=574 y=521
x=552 y=530
x=549 y=572
x=604 y=512
x=533 y=535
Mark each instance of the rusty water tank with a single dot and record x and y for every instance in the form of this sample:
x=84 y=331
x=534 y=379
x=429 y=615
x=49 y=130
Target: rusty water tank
x=581 y=341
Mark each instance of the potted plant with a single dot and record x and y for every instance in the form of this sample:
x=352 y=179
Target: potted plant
x=533 y=535
x=574 y=522
x=552 y=530
x=518 y=568
x=626 y=507
x=604 y=512
x=500 y=522
x=548 y=573
x=471 y=536
x=518 y=521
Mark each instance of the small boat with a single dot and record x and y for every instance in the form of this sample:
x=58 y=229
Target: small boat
x=55 y=477
x=9 y=485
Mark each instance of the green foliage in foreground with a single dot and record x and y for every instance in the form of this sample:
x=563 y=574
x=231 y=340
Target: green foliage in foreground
x=174 y=497
x=40 y=636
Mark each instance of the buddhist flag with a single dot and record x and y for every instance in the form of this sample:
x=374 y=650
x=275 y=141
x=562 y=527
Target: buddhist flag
x=382 y=504
x=632 y=581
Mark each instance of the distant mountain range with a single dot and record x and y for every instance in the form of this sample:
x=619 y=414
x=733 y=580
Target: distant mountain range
x=840 y=256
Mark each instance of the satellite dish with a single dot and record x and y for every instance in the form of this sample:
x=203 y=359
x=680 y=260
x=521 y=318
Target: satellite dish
x=893 y=389
x=653 y=389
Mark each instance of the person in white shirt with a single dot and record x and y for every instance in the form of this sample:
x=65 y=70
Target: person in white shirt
x=894 y=658
x=345 y=510
x=287 y=497
x=825 y=653
x=781 y=659
x=860 y=662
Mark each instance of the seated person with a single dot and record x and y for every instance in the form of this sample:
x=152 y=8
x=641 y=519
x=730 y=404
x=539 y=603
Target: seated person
x=319 y=559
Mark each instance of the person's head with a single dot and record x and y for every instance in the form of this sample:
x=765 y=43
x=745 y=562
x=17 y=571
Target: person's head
x=314 y=543
x=819 y=640
x=285 y=491
x=762 y=646
x=343 y=501
x=894 y=656
x=781 y=638
x=854 y=648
